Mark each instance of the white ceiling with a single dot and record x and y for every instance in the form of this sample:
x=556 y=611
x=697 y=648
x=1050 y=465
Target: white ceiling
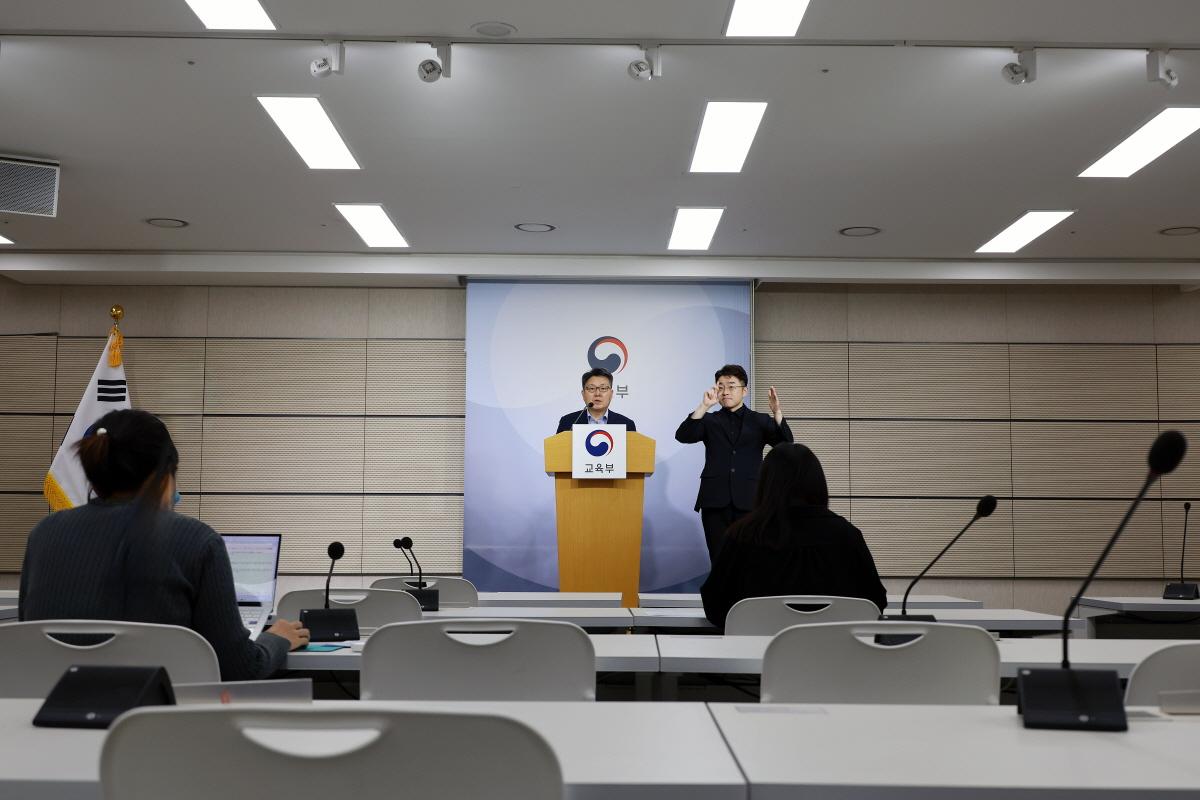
x=926 y=142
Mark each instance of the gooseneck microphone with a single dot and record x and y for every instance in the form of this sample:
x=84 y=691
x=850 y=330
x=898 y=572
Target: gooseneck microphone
x=399 y=545
x=330 y=624
x=1182 y=590
x=586 y=409
x=336 y=550
x=984 y=508
x=428 y=598
x=1090 y=699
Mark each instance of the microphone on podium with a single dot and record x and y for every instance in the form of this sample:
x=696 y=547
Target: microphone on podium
x=1182 y=590
x=331 y=624
x=1090 y=699
x=586 y=409
x=428 y=598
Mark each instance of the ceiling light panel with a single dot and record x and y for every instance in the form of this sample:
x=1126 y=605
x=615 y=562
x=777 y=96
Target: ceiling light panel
x=232 y=15
x=1029 y=227
x=766 y=17
x=1147 y=143
x=372 y=224
x=310 y=130
x=726 y=133
x=694 y=228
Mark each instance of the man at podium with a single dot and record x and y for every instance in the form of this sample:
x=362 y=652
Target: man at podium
x=597 y=397
x=733 y=438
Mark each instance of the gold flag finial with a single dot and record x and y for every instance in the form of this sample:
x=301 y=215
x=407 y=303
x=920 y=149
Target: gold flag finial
x=117 y=313
x=116 y=340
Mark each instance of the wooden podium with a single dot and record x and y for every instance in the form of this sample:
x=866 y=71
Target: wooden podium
x=600 y=521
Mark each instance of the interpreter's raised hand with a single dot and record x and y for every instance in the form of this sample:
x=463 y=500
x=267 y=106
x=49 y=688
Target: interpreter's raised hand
x=710 y=397
x=773 y=403
x=294 y=632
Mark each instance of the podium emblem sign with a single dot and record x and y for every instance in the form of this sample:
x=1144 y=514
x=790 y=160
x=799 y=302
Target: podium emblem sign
x=598 y=452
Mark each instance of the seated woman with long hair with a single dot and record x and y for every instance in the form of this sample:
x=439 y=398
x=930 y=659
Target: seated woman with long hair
x=791 y=543
x=128 y=556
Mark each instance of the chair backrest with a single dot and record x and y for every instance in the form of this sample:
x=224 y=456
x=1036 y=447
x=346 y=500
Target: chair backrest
x=501 y=659
x=1173 y=668
x=840 y=662
x=368 y=754
x=32 y=660
x=767 y=616
x=453 y=592
x=375 y=607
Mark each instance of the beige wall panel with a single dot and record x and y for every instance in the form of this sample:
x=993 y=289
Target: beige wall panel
x=18 y=514
x=285 y=376
x=1051 y=596
x=26 y=453
x=830 y=440
x=929 y=458
x=414 y=455
x=1063 y=538
x=317 y=313
x=1121 y=314
x=926 y=314
x=1080 y=459
x=149 y=310
x=810 y=377
x=929 y=380
x=905 y=535
x=189 y=505
x=992 y=592
x=1176 y=315
x=29 y=309
x=1179 y=382
x=1064 y=381
x=1184 y=483
x=166 y=376
x=29 y=372
x=434 y=523
x=185 y=432
x=416 y=377
x=417 y=313
x=840 y=507
x=800 y=314
x=1172 y=517
x=288 y=454
x=308 y=523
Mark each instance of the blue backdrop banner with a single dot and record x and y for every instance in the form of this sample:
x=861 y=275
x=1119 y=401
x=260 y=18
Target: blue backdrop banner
x=527 y=346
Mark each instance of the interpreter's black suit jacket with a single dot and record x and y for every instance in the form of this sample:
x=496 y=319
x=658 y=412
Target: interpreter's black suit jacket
x=614 y=418
x=730 y=474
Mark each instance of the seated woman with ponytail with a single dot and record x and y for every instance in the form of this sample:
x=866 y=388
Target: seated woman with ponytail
x=128 y=556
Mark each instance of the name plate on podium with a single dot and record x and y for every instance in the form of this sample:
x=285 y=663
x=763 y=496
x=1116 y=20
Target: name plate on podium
x=598 y=451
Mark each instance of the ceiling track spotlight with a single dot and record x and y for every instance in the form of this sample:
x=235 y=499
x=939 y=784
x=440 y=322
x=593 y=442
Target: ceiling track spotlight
x=430 y=70
x=1023 y=70
x=1157 y=70
x=329 y=64
x=649 y=66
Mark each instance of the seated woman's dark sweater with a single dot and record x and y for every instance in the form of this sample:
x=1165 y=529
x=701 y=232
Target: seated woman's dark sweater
x=814 y=551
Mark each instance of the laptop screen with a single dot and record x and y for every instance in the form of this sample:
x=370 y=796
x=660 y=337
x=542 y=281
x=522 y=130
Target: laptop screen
x=255 y=562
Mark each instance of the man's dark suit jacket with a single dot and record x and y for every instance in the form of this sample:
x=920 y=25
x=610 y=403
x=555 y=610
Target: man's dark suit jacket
x=730 y=474
x=614 y=418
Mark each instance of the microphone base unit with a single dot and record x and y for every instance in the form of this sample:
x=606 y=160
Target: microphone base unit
x=330 y=624
x=428 y=598
x=1071 y=699
x=897 y=639
x=1181 y=591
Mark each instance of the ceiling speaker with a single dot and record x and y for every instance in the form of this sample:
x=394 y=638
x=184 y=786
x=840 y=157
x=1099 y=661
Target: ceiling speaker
x=28 y=186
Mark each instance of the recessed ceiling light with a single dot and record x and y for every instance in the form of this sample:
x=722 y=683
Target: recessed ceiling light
x=766 y=17
x=372 y=224
x=494 y=29
x=232 y=15
x=167 y=222
x=858 y=231
x=306 y=125
x=1029 y=227
x=1180 y=230
x=726 y=133
x=5 y=241
x=534 y=227
x=694 y=228
x=1147 y=143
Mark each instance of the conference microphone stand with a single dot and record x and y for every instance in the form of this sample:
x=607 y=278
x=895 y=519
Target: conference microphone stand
x=1182 y=590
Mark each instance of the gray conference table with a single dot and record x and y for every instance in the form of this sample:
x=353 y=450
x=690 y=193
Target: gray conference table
x=615 y=617
x=1091 y=607
x=607 y=750
x=846 y=752
x=993 y=619
x=658 y=600
x=552 y=599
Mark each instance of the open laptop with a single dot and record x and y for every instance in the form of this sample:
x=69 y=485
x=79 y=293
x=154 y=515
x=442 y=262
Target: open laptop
x=255 y=562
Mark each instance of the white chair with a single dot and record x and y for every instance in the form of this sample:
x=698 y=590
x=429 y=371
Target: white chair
x=502 y=659
x=767 y=616
x=375 y=607
x=199 y=753
x=840 y=662
x=453 y=592
x=1173 y=668
x=32 y=660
